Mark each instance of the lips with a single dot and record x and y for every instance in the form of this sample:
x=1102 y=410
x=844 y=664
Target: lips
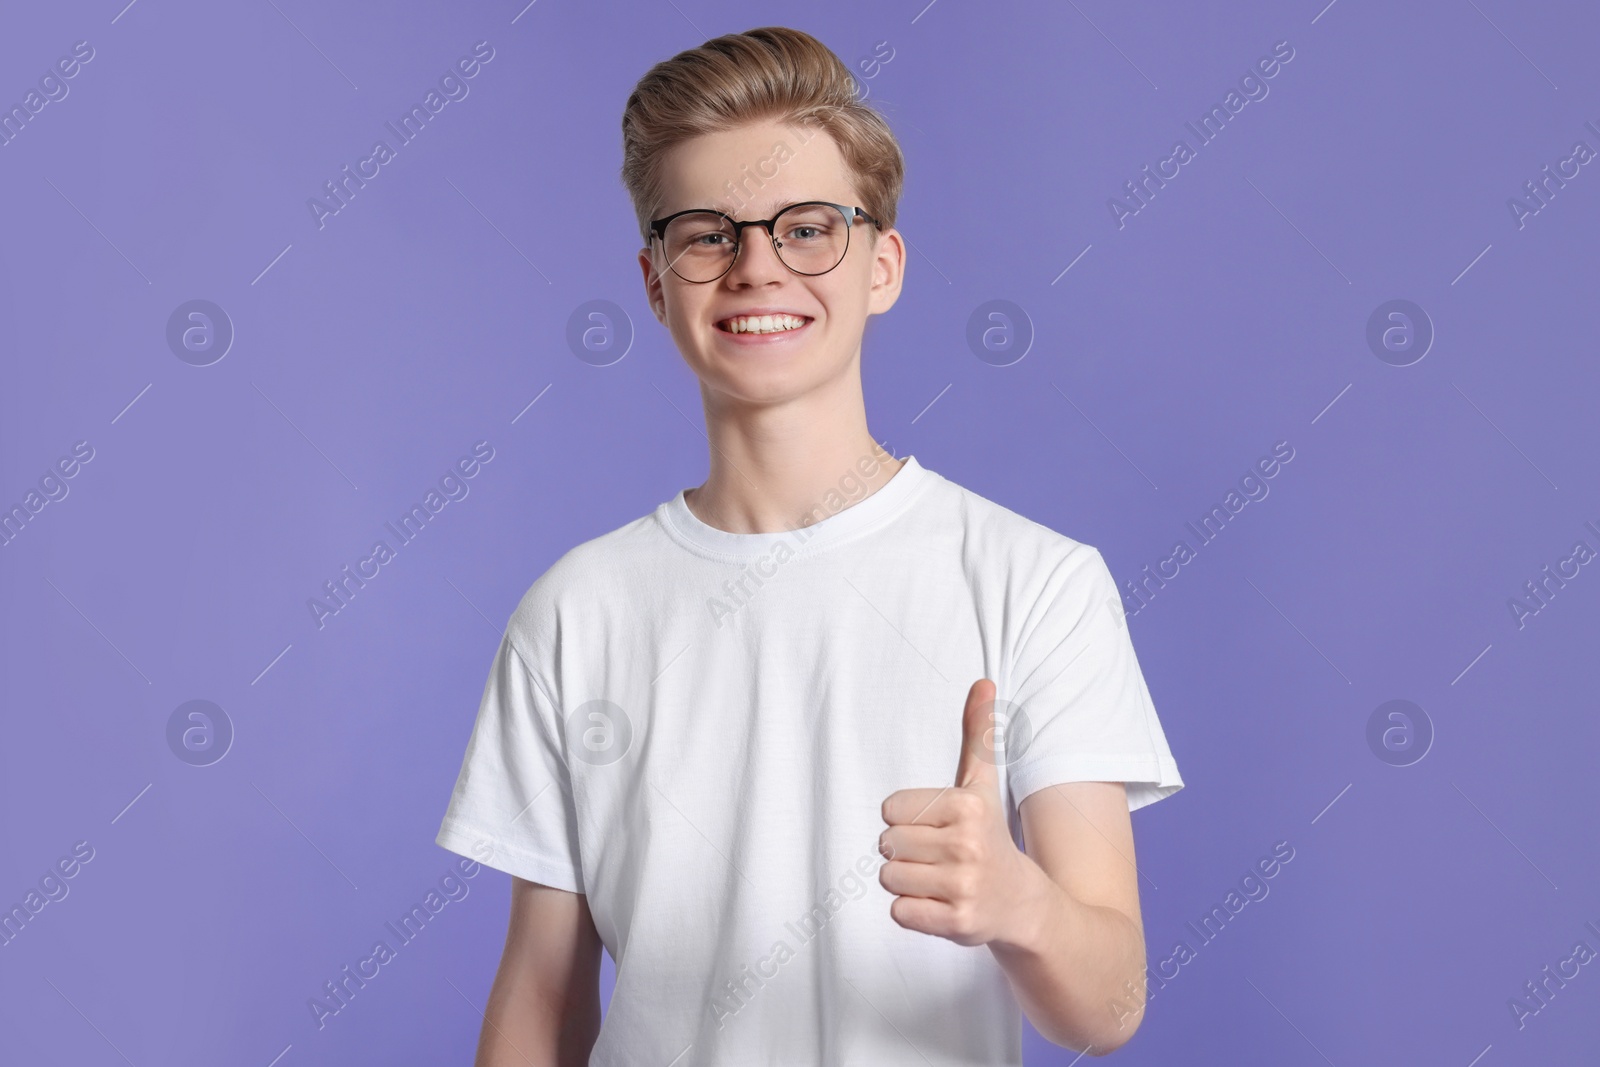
x=759 y=313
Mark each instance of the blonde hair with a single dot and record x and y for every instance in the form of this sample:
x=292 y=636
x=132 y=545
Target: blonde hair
x=775 y=73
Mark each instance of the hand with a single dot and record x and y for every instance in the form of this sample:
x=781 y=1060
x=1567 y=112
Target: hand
x=953 y=867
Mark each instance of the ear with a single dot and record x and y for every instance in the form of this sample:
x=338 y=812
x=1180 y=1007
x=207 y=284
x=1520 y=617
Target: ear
x=652 y=286
x=888 y=271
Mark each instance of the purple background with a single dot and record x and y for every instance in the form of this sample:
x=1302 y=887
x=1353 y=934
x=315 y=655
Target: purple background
x=1229 y=314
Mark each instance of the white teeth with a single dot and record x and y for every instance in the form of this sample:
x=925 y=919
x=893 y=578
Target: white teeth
x=763 y=323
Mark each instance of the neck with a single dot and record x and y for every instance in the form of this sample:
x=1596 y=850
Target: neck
x=782 y=467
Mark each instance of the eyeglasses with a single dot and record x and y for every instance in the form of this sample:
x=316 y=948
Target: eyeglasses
x=809 y=238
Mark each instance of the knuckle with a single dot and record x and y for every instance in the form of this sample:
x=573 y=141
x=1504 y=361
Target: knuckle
x=965 y=850
x=970 y=805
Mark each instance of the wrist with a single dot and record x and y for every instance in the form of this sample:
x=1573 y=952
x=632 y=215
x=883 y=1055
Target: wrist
x=1039 y=906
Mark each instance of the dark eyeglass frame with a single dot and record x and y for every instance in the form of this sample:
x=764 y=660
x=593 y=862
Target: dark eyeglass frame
x=658 y=230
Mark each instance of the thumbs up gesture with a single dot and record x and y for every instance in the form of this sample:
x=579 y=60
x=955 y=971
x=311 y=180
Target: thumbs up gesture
x=953 y=867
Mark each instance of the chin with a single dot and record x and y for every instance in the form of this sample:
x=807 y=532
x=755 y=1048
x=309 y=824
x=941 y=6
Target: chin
x=772 y=383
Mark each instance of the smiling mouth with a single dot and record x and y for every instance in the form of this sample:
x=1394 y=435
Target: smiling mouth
x=762 y=324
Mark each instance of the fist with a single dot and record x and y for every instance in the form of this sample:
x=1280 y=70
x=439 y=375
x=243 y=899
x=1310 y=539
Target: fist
x=953 y=867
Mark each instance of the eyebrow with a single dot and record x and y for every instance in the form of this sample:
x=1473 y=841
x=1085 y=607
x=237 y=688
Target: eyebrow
x=780 y=207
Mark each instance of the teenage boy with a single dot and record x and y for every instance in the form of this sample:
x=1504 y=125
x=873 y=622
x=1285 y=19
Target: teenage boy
x=775 y=745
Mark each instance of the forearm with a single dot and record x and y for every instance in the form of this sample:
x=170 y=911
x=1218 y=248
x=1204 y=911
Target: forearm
x=1070 y=963
x=544 y=1006
x=525 y=1025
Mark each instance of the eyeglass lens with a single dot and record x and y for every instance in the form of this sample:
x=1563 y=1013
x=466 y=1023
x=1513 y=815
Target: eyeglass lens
x=810 y=239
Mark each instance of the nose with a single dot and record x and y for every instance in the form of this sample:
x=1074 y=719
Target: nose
x=757 y=260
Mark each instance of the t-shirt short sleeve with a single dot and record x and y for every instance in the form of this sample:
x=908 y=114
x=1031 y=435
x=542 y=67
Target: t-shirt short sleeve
x=512 y=806
x=1086 y=714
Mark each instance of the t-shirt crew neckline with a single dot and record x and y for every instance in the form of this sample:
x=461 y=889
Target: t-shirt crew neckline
x=890 y=499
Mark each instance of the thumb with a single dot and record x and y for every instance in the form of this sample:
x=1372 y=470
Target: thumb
x=976 y=767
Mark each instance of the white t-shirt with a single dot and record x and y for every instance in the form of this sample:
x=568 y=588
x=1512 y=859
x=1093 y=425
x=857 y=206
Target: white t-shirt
x=697 y=729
